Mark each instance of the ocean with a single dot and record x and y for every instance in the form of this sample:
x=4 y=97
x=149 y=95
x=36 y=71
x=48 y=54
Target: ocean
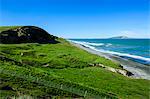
x=137 y=50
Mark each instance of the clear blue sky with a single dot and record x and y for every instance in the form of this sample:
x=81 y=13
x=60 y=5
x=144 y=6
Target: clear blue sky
x=80 y=18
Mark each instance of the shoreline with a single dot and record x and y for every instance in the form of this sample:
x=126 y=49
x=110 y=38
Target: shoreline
x=139 y=70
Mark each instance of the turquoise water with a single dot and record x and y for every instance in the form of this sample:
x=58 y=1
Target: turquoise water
x=134 y=49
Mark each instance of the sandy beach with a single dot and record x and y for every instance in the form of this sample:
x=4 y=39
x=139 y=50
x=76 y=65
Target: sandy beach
x=139 y=70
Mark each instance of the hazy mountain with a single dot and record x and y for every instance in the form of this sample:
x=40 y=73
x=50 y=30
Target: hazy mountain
x=119 y=37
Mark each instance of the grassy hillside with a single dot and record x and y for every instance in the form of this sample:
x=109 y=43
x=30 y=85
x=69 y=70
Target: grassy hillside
x=25 y=34
x=4 y=28
x=62 y=70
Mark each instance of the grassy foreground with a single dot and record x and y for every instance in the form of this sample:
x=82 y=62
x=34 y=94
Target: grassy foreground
x=62 y=70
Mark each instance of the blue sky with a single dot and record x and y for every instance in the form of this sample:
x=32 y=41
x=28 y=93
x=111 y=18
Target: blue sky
x=80 y=18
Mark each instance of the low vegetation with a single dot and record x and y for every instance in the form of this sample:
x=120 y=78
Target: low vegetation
x=62 y=70
x=4 y=28
x=25 y=34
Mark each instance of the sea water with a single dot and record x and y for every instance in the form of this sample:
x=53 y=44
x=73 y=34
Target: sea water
x=134 y=49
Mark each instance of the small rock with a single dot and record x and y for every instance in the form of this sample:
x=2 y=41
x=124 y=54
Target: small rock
x=6 y=88
x=129 y=73
x=46 y=65
x=121 y=66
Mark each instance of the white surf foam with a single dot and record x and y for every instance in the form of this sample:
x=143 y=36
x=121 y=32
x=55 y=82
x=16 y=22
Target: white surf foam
x=86 y=44
x=128 y=55
x=108 y=45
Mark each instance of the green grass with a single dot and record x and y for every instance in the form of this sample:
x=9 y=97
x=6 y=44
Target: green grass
x=62 y=70
x=4 y=28
x=101 y=79
x=61 y=55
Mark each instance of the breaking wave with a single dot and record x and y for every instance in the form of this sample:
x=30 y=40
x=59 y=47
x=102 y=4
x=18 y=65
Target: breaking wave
x=137 y=58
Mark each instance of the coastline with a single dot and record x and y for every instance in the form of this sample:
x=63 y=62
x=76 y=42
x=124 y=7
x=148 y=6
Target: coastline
x=139 y=71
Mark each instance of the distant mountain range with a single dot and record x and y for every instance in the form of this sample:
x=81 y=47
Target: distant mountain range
x=119 y=37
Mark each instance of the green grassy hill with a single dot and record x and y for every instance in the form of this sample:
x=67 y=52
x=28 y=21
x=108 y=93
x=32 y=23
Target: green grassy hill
x=62 y=70
x=25 y=34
